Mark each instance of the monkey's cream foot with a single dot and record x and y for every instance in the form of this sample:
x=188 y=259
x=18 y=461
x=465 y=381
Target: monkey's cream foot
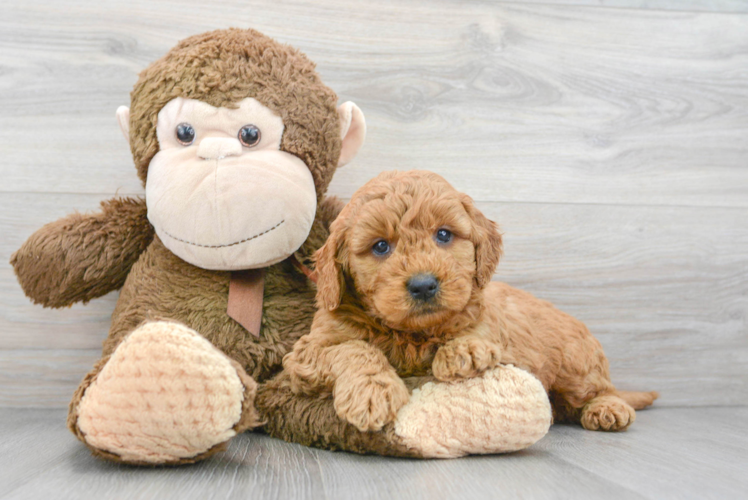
x=166 y=395
x=607 y=413
x=504 y=409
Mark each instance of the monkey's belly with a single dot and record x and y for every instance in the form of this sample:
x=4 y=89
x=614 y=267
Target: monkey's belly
x=161 y=286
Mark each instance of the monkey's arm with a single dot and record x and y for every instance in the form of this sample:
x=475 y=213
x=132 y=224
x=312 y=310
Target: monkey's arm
x=81 y=257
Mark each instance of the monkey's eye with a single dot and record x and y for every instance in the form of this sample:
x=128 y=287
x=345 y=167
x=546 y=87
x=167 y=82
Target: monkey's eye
x=381 y=248
x=249 y=136
x=443 y=236
x=185 y=134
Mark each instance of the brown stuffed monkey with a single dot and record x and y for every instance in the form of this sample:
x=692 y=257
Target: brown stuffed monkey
x=236 y=139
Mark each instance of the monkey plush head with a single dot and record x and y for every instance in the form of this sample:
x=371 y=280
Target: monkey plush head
x=236 y=139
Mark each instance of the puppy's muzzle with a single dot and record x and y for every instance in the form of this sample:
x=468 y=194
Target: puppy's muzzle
x=422 y=287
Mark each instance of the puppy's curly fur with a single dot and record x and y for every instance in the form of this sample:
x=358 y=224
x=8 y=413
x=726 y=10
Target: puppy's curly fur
x=374 y=326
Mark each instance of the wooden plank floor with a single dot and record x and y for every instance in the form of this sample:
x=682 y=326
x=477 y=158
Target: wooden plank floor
x=609 y=144
x=609 y=139
x=668 y=453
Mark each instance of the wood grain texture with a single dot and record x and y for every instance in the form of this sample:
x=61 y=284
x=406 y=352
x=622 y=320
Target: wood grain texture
x=528 y=102
x=32 y=378
x=664 y=290
x=679 y=453
x=608 y=143
x=685 y=5
x=668 y=453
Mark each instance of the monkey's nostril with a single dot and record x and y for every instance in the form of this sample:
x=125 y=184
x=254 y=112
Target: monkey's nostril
x=422 y=286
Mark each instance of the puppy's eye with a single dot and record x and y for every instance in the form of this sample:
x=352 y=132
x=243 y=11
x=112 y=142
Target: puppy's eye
x=249 y=136
x=443 y=236
x=380 y=248
x=185 y=134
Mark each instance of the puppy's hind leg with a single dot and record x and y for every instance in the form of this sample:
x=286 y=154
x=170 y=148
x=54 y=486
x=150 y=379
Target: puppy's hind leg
x=615 y=412
x=592 y=400
x=596 y=404
x=607 y=412
x=587 y=395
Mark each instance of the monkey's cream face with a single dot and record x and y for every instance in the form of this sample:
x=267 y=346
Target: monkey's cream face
x=221 y=194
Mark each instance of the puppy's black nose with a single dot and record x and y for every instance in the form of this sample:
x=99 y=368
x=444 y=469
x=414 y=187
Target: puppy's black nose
x=423 y=286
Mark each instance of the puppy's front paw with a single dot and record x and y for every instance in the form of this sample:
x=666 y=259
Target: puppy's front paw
x=465 y=357
x=370 y=401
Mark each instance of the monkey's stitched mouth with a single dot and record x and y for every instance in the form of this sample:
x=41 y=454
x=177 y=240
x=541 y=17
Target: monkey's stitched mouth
x=228 y=244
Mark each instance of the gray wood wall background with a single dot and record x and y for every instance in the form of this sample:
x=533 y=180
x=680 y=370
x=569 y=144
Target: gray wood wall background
x=608 y=138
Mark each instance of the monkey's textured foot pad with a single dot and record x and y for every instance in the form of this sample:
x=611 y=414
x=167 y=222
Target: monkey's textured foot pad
x=166 y=395
x=504 y=410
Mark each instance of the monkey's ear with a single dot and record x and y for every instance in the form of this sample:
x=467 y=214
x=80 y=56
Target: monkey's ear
x=123 y=117
x=352 y=131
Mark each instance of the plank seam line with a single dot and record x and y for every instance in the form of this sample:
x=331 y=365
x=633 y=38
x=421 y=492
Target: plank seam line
x=477 y=200
x=629 y=9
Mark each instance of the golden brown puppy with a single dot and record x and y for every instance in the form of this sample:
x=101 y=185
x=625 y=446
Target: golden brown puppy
x=404 y=289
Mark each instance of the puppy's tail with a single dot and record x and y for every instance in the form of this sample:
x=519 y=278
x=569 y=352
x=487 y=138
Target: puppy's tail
x=638 y=400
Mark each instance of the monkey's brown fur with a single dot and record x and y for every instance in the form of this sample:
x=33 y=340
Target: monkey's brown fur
x=81 y=257
x=369 y=332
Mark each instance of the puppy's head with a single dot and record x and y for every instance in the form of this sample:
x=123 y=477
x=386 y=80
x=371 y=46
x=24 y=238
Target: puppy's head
x=413 y=249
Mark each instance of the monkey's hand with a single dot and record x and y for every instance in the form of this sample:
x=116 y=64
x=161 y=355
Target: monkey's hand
x=81 y=257
x=465 y=357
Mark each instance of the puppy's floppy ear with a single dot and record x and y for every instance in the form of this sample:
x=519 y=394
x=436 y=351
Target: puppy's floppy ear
x=487 y=241
x=330 y=279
